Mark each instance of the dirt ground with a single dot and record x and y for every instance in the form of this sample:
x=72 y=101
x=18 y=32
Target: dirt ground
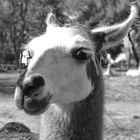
x=121 y=113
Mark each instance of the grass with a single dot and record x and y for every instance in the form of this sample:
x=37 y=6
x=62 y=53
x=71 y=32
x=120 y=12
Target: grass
x=122 y=107
x=122 y=88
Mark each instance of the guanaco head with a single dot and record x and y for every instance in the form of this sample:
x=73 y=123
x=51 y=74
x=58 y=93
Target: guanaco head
x=60 y=69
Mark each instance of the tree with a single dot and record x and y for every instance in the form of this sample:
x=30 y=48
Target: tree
x=20 y=20
x=25 y=19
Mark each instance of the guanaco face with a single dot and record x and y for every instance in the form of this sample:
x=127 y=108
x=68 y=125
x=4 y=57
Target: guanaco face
x=58 y=70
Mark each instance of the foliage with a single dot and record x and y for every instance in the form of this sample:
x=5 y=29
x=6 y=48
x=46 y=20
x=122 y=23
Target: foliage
x=20 y=20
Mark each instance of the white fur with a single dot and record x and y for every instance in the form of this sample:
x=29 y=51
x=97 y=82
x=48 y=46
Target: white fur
x=121 y=57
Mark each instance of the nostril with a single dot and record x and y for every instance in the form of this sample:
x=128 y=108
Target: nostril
x=38 y=81
x=31 y=84
x=36 y=95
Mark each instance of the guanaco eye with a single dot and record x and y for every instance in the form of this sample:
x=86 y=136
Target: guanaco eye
x=81 y=54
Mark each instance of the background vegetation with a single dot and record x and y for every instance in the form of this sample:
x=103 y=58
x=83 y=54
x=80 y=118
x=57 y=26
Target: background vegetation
x=21 y=20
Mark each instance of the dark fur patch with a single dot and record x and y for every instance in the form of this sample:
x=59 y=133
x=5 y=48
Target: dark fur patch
x=98 y=39
x=35 y=82
x=92 y=70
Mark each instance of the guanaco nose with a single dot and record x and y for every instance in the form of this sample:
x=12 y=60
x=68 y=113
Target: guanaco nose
x=32 y=84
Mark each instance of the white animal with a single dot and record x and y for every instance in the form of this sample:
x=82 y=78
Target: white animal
x=133 y=72
x=124 y=56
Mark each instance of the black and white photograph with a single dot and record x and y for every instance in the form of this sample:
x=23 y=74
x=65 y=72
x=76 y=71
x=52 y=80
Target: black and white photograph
x=69 y=69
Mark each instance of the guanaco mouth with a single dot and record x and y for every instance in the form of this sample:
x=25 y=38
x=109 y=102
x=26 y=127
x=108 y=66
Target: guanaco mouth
x=30 y=105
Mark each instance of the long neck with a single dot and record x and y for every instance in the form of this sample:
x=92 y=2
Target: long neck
x=76 y=121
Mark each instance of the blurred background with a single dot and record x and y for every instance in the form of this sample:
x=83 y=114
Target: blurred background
x=21 y=20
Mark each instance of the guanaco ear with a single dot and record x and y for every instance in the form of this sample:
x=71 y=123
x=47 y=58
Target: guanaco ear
x=106 y=37
x=51 y=20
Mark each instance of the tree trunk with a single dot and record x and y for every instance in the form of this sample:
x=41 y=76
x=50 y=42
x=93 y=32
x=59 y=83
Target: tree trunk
x=133 y=48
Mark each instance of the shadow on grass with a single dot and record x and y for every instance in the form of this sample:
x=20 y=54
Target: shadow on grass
x=7 y=83
x=7 y=88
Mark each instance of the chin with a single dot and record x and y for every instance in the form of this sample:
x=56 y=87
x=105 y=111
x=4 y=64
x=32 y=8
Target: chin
x=35 y=107
x=32 y=106
x=36 y=111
